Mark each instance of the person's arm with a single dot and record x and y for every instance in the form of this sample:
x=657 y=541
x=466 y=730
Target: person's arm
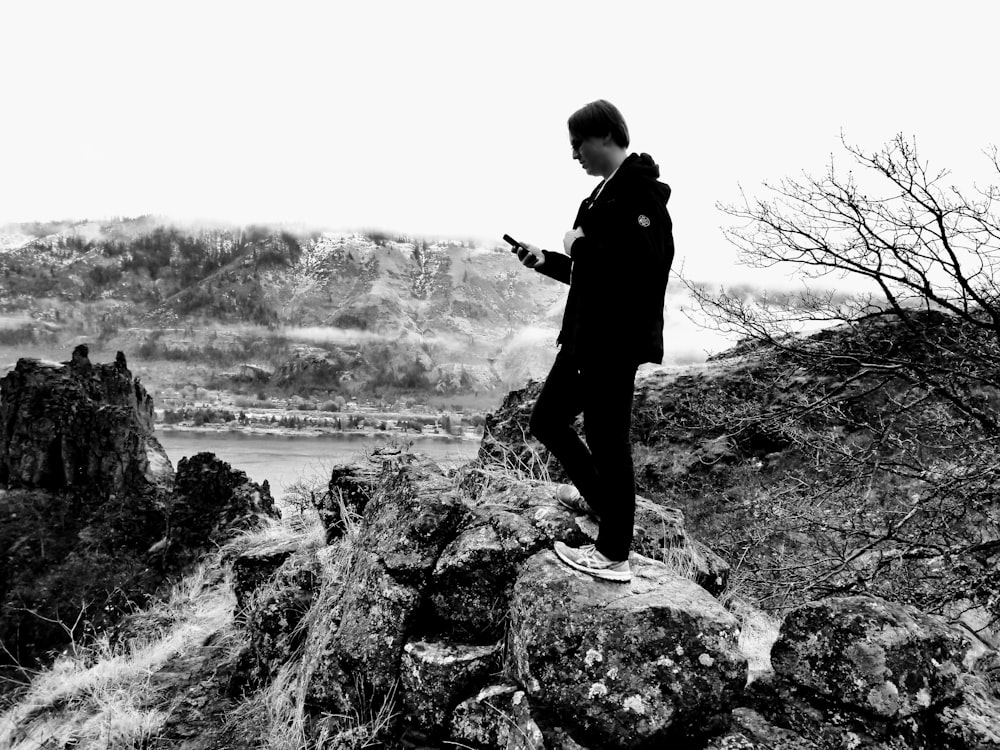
x=553 y=265
x=556 y=266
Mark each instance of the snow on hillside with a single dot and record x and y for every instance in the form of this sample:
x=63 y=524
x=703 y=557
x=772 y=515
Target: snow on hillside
x=9 y=242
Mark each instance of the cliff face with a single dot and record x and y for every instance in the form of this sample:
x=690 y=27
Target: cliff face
x=78 y=425
x=90 y=524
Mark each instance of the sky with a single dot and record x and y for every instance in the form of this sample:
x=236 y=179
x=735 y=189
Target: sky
x=448 y=119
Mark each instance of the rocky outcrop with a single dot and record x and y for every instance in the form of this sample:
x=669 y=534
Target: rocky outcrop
x=90 y=525
x=313 y=368
x=373 y=609
x=211 y=502
x=435 y=594
x=76 y=425
x=440 y=604
x=766 y=461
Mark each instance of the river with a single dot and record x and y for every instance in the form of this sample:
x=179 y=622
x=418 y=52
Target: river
x=283 y=460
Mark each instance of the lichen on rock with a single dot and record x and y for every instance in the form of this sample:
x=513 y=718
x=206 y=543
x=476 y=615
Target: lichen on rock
x=633 y=693
x=885 y=658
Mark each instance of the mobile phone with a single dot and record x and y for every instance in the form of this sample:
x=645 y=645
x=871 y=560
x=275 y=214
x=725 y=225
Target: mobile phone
x=522 y=252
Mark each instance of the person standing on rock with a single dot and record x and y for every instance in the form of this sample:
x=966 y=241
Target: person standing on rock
x=616 y=262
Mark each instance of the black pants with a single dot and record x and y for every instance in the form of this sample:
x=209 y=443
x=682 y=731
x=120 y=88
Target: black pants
x=602 y=472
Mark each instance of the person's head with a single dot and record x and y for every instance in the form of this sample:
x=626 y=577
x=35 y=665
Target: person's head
x=599 y=136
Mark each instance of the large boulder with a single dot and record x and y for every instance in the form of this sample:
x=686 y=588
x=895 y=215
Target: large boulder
x=623 y=665
x=866 y=673
x=884 y=658
x=212 y=501
x=469 y=590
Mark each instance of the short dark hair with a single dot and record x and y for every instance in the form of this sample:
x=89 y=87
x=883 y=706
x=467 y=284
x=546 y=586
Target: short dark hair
x=599 y=119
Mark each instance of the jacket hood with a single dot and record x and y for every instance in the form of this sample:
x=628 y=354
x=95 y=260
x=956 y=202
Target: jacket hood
x=641 y=167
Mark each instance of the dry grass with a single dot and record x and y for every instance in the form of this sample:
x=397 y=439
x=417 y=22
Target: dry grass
x=521 y=462
x=682 y=561
x=100 y=695
x=758 y=632
x=293 y=532
x=275 y=717
x=360 y=729
x=104 y=694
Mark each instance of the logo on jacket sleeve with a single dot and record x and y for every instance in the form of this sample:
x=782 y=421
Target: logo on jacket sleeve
x=643 y=221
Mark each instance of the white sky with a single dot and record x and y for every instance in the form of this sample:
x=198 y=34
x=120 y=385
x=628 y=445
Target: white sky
x=449 y=118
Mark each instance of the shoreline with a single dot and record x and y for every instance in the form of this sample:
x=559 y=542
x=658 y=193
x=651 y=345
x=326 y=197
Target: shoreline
x=310 y=432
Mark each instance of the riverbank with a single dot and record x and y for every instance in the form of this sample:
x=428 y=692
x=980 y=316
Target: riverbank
x=289 y=459
x=214 y=418
x=313 y=431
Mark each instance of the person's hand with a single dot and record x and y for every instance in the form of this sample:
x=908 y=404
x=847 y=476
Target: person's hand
x=570 y=237
x=530 y=255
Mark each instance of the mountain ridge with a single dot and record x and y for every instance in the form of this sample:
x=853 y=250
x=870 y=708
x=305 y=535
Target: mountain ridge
x=116 y=280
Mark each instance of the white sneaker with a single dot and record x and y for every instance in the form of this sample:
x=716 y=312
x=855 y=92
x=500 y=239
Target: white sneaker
x=570 y=498
x=588 y=560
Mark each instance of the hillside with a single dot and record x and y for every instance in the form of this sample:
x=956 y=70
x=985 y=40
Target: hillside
x=407 y=315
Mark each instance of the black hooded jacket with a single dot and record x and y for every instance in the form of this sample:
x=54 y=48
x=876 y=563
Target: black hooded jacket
x=617 y=272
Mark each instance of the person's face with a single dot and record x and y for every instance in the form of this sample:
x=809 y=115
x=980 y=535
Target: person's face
x=591 y=152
